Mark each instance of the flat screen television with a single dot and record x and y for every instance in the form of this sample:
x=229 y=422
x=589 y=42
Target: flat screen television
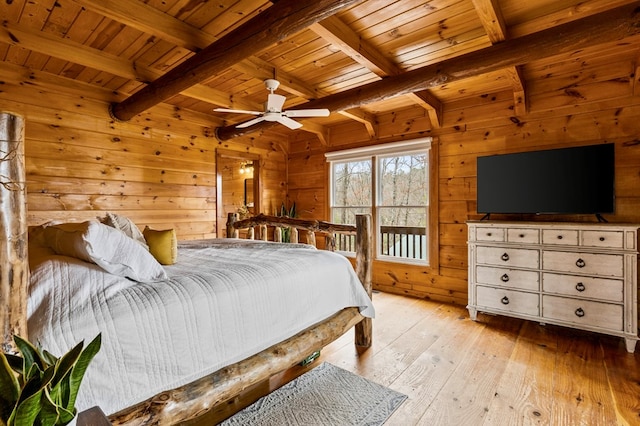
x=577 y=180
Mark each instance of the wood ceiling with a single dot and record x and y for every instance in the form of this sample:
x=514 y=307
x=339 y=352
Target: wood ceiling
x=123 y=45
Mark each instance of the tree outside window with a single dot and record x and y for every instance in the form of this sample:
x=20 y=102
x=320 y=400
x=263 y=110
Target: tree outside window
x=394 y=188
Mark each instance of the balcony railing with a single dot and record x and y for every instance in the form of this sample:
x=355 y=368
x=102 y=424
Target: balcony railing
x=408 y=242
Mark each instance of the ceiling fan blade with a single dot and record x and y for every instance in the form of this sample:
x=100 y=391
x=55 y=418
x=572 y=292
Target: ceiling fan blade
x=322 y=112
x=250 y=122
x=275 y=103
x=292 y=124
x=237 y=111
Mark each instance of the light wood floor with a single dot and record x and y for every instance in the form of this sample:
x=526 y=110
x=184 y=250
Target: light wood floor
x=496 y=371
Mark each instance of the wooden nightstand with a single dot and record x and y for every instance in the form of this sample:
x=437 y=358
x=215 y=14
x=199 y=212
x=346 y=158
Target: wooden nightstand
x=93 y=417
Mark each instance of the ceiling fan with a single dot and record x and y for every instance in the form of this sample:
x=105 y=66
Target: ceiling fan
x=273 y=110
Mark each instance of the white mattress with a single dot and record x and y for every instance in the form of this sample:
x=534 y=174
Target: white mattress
x=224 y=301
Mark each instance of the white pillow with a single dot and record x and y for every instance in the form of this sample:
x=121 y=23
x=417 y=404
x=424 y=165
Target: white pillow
x=125 y=225
x=107 y=247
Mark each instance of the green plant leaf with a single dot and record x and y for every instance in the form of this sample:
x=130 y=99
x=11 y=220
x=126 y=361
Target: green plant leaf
x=292 y=210
x=9 y=386
x=49 y=358
x=28 y=407
x=66 y=363
x=30 y=355
x=80 y=368
x=52 y=414
x=9 y=389
x=15 y=362
x=49 y=413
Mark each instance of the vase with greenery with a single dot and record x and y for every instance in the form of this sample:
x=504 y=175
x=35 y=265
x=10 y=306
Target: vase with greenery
x=37 y=388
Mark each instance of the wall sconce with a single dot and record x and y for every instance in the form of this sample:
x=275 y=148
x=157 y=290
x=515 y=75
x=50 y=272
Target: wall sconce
x=246 y=167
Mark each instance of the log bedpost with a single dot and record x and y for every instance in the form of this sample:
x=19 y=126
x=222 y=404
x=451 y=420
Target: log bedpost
x=364 y=329
x=14 y=266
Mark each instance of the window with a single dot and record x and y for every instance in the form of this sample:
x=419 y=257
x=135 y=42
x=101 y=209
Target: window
x=391 y=182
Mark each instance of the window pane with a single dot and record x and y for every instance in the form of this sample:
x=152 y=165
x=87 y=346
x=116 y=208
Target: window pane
x=403 y=232
x=351 y=184
x=347 y=215
x=403 y=180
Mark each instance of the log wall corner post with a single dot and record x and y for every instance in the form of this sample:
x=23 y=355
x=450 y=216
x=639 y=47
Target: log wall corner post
x=364 y=262
x=14 y=265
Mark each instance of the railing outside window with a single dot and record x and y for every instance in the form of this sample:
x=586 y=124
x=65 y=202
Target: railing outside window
x=403 y=241
x=406 y=242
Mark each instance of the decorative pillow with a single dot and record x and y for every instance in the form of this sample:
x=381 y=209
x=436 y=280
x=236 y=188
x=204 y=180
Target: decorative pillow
x=125 y=225
x=105 y=246
x=163 y=245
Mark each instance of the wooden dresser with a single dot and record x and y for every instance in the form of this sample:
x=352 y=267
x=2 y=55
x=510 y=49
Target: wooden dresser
x=572 y=274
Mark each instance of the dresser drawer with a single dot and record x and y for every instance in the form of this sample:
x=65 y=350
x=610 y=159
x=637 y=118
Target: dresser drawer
x=512 y=278
x=607 y=265
x=611 y=239
x=583 y=312
x=508 y=257
x=508 y=300
x=584 y=287
x=565 y=237
x=523 y=235
x=490 y=234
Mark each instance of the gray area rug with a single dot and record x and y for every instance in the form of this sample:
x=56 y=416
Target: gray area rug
x=326 y=395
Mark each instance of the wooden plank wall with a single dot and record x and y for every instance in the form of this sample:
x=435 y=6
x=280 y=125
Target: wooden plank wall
x=159 y=169
x=569 y=108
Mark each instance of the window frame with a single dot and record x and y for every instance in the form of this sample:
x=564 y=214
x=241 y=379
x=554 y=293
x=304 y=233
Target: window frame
x=371 y=153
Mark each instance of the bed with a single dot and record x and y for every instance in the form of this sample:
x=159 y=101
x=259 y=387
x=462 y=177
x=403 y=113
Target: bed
x=180 y=339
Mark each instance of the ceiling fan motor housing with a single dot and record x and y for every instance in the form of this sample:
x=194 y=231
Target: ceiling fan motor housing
x=271 y=84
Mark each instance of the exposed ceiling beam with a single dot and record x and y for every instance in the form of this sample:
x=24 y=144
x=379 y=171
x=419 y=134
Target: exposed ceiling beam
x=77 y=53
x=336 y=32
x=492 y=20
x=613 y=25
x=150 y=20
x=520 y=107
x=562 y=16
x=432 y=105
x=284 y=18
x=369 y=120
x=320 y=131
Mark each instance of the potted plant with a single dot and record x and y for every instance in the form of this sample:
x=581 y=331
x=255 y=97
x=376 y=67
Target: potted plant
x=291 y=213
x=40 y=389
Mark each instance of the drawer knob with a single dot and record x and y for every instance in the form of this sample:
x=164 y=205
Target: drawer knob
x=601 y=238
x=559 y=237
x=580 y=287
x=488 y=234
x=505 y=301
x=580 y=263
x=504 y=278
x=579 y=312
x=504 y=257
x=521 y=235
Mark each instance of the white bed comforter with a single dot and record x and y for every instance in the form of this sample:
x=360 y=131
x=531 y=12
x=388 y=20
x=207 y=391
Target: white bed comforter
x=224 y=301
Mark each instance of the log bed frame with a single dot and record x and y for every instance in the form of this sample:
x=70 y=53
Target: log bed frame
x=188 y=403
x=194 y=400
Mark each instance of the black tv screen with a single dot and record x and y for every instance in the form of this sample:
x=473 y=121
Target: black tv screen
x=577 y=180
